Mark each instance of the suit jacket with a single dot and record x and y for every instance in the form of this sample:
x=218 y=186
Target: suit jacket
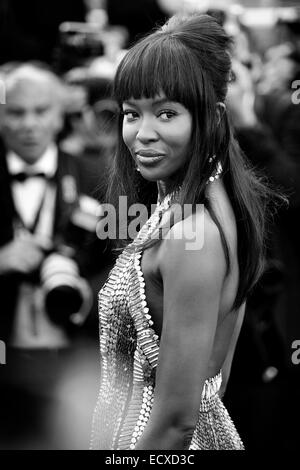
x=65 y=232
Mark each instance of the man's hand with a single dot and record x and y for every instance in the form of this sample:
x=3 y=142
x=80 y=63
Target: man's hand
x=21 y=256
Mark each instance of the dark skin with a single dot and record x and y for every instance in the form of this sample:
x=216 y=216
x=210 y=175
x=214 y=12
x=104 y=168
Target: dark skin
x=190 y=300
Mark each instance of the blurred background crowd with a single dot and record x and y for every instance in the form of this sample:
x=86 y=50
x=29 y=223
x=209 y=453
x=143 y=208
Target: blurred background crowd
x=57 y=137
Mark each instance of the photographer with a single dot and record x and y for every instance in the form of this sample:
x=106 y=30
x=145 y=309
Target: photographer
x=43 y=250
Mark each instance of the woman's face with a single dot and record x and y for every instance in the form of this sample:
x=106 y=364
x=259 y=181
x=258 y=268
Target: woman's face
x=157 y=133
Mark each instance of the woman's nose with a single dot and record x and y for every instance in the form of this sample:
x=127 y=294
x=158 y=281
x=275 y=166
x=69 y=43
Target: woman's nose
x=146 y=131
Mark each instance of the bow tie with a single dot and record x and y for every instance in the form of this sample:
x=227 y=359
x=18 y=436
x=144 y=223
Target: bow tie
x=23 y=176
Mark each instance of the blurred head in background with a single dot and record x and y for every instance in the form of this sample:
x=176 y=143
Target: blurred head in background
x=33 y=114
x=241 y=96
x=91 y=114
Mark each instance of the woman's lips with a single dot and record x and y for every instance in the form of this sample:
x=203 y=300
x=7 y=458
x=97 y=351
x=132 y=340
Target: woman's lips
x=149 y=160
x=148 y=157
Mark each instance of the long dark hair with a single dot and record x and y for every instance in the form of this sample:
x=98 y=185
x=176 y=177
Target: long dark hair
x=188 y=59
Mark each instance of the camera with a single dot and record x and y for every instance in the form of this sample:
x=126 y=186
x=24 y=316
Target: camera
x=67 y=296
x=77 y=42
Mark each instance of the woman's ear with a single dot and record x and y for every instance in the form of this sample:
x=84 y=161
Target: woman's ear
x=221 y=108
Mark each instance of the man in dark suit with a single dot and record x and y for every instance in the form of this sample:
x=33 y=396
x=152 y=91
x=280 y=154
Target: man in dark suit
x=45 y=255
x=41 y=209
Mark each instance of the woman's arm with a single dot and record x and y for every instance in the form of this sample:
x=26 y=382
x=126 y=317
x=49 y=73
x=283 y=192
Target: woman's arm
x=192 y=283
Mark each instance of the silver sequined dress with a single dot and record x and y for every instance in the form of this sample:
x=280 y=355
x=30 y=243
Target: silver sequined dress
x=129 y=354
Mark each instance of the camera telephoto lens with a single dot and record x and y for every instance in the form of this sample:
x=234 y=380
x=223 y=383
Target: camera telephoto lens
x=61 y=303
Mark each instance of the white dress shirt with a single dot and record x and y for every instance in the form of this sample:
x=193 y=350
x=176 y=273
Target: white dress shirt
x=28 y=194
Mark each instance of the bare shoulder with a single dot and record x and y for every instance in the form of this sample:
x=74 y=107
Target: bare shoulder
x=194 y=245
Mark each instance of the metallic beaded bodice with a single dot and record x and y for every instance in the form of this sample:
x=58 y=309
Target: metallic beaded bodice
x=129 y=355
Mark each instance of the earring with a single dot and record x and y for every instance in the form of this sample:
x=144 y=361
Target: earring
x=216 y=175
x=222 y=105
x=217 y=172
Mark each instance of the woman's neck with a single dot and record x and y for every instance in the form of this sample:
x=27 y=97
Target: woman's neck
x=162 y=189
x=165 y=187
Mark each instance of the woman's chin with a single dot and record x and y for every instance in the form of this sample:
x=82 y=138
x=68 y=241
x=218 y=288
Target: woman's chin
x=150 y=175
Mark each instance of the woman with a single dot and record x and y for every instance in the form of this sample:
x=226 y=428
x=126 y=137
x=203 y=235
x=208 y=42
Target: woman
x=170 y=313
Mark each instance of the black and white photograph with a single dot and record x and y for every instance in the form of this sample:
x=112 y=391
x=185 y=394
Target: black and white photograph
x=149 y=228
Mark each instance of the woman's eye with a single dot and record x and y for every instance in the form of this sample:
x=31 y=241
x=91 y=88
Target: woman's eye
x=167 y=115
x=130 y=115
